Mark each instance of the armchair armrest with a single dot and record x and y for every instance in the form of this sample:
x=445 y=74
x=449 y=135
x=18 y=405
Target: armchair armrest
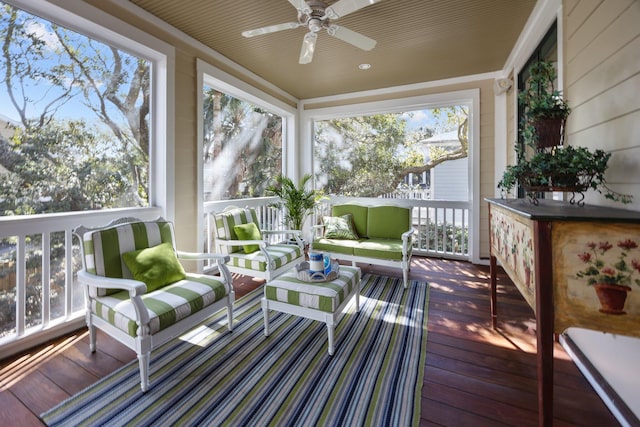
x=135 y=287
x=261 y=243
x=292 y=232
x=406 y=240
x=201 y=256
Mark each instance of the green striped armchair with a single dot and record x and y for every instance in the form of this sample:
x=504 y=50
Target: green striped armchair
x=137 y=291
x=238 y=235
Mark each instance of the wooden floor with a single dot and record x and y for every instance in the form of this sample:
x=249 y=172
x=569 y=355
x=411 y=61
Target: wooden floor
x=474 y=375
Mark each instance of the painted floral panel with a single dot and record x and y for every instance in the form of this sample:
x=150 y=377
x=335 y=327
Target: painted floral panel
x=597 y=276
x=512 y=245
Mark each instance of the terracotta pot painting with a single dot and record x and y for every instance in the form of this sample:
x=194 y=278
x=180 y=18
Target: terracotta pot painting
x=610 y=268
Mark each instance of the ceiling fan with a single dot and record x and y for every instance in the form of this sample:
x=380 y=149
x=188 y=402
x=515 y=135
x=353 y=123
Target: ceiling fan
x=316 y=15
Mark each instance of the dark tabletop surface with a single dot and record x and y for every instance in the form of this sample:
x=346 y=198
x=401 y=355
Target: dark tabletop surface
x=548 y=210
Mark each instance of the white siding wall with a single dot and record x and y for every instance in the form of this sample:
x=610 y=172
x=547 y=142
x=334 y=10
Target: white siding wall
x=602 y=84
x=450 y=180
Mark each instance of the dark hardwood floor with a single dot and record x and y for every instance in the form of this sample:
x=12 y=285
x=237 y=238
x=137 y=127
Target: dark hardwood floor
x=474 y=375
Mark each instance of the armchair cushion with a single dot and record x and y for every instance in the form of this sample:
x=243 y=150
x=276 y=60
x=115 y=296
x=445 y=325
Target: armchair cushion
x=249 y=231
x=225 y=223
x=155 y=266
x=339 y=227
x=165 y=306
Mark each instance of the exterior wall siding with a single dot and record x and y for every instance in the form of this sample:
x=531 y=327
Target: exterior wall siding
x=602 y=77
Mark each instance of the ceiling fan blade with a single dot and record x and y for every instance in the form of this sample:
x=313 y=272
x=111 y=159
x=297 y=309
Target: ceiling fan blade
x=301 y=5
x=308 y=47
x=271 y=29
x=345 y=7
x=350 y=36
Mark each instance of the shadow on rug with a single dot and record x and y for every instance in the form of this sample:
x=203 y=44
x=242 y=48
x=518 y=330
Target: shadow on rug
x=215 y=377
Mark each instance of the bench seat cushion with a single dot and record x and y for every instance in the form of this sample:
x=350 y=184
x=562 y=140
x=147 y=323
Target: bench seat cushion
x=281 y=254
x=323 y=296
x=165 y=306
x=380 y=248
x=337 y=245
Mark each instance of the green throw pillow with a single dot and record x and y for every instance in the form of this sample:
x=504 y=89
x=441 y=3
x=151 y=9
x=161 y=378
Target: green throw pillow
x=156 y=266
x=339 y=227
x=248 y=231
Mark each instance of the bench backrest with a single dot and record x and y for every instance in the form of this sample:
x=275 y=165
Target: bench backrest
x=383 y=222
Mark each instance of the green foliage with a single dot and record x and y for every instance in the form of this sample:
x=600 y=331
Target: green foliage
x=297 y=200
x=242 y=147
x=61 y=167
x=442 y=238
x=570 y=168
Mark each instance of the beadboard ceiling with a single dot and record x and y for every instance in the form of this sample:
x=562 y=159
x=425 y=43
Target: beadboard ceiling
x=417 y=40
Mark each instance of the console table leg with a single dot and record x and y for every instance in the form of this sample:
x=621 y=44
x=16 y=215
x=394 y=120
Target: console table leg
x=493 y=285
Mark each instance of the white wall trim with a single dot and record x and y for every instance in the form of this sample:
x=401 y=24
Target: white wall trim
x=539 y=22
x=404 y=88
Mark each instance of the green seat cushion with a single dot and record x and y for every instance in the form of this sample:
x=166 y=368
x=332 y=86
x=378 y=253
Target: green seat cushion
x=336 y=246
x=339 y=227
x=165 y=306
x=156 y=266
x=249 y=231
x=388 y=222
x=323 y=296
x=380 y=248
x=281 y=254
x=359 y=214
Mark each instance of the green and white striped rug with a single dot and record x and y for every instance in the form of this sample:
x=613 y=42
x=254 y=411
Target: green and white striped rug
x=242 y=378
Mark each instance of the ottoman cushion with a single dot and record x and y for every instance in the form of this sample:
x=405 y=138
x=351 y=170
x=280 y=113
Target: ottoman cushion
x=323 y=296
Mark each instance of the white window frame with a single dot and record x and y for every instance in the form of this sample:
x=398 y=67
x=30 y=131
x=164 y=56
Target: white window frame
x=470 y=97
x=222 y=81
x=94 y=23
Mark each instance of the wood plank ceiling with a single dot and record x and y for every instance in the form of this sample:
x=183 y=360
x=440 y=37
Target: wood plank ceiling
x=417 y=40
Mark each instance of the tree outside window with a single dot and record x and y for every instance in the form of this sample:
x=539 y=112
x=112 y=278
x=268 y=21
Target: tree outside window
x=242 y=148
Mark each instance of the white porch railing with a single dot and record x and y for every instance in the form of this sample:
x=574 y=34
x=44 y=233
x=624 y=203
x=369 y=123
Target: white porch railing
x=39 y=259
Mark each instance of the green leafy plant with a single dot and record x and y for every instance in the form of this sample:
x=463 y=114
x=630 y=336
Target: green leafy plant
x=569 y=168
x=539 y=96
x=296 y=199
x=544 y=108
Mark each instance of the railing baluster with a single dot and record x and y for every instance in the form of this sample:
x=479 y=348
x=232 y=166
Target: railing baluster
x=46 y=278
x=21 y=289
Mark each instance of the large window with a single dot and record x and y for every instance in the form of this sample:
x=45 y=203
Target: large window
x=83 y=126
x=242 y=147
x=74 y=120
x=412 y=154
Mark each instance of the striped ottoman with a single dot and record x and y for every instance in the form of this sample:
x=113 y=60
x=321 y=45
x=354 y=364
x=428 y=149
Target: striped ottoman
x=322 y=301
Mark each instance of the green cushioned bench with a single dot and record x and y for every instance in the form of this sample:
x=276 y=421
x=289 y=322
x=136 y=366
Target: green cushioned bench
x=379 y=235
x=322 y=301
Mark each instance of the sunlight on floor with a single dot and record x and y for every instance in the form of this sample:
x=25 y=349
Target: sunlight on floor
x=29 y=362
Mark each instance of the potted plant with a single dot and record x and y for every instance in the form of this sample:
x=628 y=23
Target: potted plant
x=544 y=109
x=296 y=199
x=570 y=169
x=610 y=275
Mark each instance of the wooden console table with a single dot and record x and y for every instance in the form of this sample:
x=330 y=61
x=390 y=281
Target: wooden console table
x=560 y=256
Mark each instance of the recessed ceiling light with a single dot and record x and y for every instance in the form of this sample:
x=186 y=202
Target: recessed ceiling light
x=364 y=66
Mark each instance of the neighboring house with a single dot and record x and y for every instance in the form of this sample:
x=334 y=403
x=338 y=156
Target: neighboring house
x=449 y=180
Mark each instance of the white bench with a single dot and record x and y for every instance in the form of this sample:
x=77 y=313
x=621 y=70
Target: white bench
x=322 y=301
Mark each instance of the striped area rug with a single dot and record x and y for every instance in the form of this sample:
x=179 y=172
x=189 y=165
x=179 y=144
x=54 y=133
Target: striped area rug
x=242 y=378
